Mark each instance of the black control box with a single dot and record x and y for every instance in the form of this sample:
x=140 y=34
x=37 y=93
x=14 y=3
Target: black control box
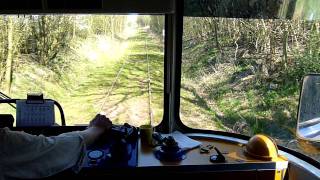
x=117 y=148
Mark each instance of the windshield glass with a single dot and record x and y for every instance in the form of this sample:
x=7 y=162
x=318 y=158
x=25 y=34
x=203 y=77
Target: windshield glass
x=88 y=63
x=244 y=75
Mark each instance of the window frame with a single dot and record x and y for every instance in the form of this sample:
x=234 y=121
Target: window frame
x=173 y=11
x=119 y=7
x=177 y=123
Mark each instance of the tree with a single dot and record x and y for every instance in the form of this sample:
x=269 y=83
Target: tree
x=9 y=61
x=157 y=24
x=50 y=35
x=3 y=48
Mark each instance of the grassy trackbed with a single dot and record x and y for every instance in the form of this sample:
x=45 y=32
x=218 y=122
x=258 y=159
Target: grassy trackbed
x=119 y=87
x=83 y=89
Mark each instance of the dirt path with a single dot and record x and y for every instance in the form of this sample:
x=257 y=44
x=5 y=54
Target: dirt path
x=122 y=96
x=128 y=102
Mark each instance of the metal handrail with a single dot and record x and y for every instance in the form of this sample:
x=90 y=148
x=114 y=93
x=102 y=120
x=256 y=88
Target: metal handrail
x=4 y=96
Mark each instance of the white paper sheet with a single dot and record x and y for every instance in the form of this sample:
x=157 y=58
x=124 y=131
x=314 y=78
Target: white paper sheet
x=184 y=141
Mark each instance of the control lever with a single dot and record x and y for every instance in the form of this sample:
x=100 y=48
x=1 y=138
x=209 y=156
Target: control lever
x=126 y=132
x=157 y=136
x=168 y=149
x=219 y=158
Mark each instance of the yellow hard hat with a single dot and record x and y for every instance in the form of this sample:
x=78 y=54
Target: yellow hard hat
x=261 y=147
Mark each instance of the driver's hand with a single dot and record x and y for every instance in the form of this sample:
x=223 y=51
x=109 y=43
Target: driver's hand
x=101 y=121
x=97 y=126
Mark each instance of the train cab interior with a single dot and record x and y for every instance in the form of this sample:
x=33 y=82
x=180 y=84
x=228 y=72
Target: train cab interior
x=194 y=88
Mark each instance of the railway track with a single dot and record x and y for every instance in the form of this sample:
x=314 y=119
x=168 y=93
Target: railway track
x=127 y=62
x=149 y=85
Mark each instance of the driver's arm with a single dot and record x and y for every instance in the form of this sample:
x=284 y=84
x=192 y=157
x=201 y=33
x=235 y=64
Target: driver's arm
x=28 y=156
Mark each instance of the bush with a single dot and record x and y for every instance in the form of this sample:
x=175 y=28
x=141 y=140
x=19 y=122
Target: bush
x=304 y=65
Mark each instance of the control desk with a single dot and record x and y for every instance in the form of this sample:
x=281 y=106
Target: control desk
x=133 y=157
x=122 y=154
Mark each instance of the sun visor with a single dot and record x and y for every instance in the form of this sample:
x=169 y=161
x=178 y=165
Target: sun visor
x=92 y=6
x=257 y=9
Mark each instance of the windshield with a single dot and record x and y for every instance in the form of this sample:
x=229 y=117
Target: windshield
x=88 y=63
x=244 y=75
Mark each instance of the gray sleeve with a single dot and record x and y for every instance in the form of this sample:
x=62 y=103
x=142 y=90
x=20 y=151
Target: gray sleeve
x=27 y=156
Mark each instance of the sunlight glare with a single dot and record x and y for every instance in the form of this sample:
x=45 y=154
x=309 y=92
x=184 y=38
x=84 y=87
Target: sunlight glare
x=92 y=55
x=131 y=25
x=103 y=44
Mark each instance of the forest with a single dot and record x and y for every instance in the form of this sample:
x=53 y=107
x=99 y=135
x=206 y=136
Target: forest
x=88 y=63
x=245 y=74
x=45 y=40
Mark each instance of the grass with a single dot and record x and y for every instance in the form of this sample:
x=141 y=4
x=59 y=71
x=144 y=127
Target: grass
x=212 y=97
x=82 y=89
x=219 y=99
x=209 y=99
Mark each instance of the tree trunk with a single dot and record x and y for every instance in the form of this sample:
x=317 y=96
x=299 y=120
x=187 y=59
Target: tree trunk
x=112 y=27
x=74 y=28
x=272 y=45
x=285 y=46
x=216 y=31
x=9 y=60
x=105 y=27
x=216 y=27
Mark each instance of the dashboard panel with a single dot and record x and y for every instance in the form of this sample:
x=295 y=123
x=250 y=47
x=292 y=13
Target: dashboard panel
x=141 y=161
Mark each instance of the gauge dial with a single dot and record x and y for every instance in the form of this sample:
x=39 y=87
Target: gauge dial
x=95 y=154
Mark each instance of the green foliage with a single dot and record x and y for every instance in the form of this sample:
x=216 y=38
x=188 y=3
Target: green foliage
x=75 y=59
x=270 y=99
x=143 y=21
x=248 y=71
x=106 y=25
x=308 y=61
x=304 y=65
x=3 y=49
x=50 y=35
x=46 y=39
x=157 y=24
